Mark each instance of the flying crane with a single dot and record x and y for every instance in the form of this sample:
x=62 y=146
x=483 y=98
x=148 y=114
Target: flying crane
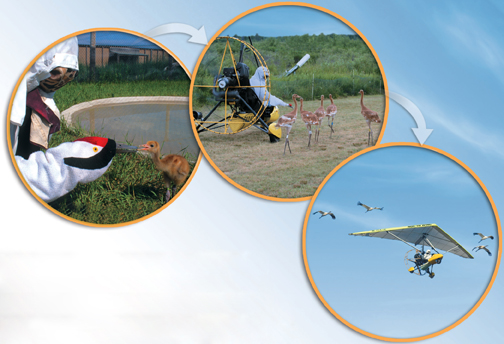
x=324 y=213
x=368 y=208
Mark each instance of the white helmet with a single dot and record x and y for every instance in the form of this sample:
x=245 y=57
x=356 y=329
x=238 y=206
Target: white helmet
x=428 y=251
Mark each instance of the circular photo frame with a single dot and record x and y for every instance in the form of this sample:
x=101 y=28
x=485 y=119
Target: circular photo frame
x=99 y=127
x=395 y=204
x=252 y=81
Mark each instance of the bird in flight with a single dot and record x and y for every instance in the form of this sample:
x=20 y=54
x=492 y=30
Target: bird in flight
x=483 y=237
x=481 y=247
x=324 y=213
x=368 y=208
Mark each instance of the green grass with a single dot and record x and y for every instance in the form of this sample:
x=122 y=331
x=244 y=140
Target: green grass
x=339 y=64
x=249 y=159
x=163 y=70
x=131 y=188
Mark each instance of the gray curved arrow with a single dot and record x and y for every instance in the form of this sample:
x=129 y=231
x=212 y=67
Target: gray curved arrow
x=197 y=36
x=421 y=132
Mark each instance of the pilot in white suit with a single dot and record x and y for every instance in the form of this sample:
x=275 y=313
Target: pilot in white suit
x=259 y=79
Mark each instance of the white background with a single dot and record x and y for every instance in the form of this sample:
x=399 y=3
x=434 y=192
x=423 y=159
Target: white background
x=217 y=266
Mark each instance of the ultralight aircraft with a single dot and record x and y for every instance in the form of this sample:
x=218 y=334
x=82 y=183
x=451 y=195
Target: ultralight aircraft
x=418 y=260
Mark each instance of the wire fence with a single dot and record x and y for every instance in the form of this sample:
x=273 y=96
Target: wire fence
x=312 y=89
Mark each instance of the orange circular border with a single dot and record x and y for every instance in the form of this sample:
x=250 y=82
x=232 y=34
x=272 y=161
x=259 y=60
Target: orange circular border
x=12 y=154
x=391 y=339
x=277 y=4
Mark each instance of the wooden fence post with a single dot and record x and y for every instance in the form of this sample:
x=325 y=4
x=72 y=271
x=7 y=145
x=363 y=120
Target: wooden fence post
x=92 y=56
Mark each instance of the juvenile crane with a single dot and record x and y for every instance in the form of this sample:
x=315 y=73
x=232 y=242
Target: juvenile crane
x=320 y=113
x=324 y=213
x=286 y=121
x=369 y=116
x=175 y=168
x=481 y=247
x=330 y=113
x=368 y=208
x=309 y=118
x=483 y=237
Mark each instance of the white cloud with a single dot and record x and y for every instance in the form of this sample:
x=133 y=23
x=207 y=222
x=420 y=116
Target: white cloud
x=469 y=131
x=475 y=40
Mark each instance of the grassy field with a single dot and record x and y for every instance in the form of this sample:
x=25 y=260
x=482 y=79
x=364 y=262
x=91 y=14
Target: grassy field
x=249 y=159
x=131 y=188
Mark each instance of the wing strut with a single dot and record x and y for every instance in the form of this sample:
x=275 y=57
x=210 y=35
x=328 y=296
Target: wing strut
x=451 y=248
x=428 y=241
x=407 y=243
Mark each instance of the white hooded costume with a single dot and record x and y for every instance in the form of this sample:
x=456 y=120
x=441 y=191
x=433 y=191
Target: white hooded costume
x=57 y=171
x=259 y=79
x=65 y=54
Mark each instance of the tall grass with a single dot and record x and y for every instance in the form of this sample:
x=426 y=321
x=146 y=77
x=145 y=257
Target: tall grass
x=340 y=86
x=339 y=64
x=121 y=72
x=308 y=88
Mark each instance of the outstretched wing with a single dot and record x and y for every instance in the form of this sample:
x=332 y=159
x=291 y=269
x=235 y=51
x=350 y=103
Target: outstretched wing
x=332 y=215
x=429 y=235
x=365 y=206
x=481 y=235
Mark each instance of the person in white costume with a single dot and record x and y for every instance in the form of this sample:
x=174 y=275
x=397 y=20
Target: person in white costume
x=259 y=79
x=35 y=117
x=427 y=255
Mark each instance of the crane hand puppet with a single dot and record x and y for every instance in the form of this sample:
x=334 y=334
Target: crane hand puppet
x=57 y=171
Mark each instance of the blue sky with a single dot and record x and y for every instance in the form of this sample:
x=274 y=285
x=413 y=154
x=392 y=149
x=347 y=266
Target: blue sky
x=365 y=279
x=239 y=276
x=115 y=38
x=287 y=21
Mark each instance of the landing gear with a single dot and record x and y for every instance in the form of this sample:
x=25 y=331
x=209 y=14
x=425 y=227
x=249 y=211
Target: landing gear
x=432 y=274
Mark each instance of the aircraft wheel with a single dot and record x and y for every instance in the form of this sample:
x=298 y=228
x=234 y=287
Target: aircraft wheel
x=431 y=275
x=274 y=133
x=438 y=261
x=273 y=138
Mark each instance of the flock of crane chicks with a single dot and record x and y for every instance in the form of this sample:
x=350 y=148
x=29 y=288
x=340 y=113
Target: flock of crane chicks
x=315 y=118
x=368 y=208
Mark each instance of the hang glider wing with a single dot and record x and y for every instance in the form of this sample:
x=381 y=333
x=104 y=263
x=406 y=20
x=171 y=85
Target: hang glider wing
x=429 y=235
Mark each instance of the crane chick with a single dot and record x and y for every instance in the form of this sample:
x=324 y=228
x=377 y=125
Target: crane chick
x=175 y=168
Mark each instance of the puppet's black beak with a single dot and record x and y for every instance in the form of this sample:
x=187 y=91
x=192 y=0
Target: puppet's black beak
x=122 y=148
